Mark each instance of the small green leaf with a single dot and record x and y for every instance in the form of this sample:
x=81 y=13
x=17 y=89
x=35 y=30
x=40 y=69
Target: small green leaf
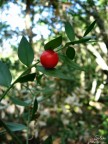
x=53 y=43
x=26 y=78
x=38 y=78
x=70 y=52
x=10 y=127
x=19 y=102
x=25 y=52
x=71 y=63
x=5 y=75
x=90 y=27
x=48 y=140
x=82 y=40
x=15 y=126
x=35 y=107
x=53 y=72
x=69 y=31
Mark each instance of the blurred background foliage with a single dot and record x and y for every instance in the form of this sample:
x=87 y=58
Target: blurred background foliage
x=71 y=111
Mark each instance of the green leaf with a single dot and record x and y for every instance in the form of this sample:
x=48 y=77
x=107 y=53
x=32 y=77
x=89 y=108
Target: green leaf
x=69 y=31
x=53 y=43
x=5 y=75
x=70 y=52
x=15 y=126
x=38 y=78
x=53 y=72
x=48 y=140
x=35 y=107
x=82 y=40
x=26 y=78
x=19 y=102
x=25 y=52
x=90 y=27
x=9 y=129
x=71 y=63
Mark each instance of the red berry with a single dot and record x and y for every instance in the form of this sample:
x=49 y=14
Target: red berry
x=49 y=59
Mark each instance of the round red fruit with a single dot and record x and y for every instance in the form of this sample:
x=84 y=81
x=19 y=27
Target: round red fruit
x=49 y=59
